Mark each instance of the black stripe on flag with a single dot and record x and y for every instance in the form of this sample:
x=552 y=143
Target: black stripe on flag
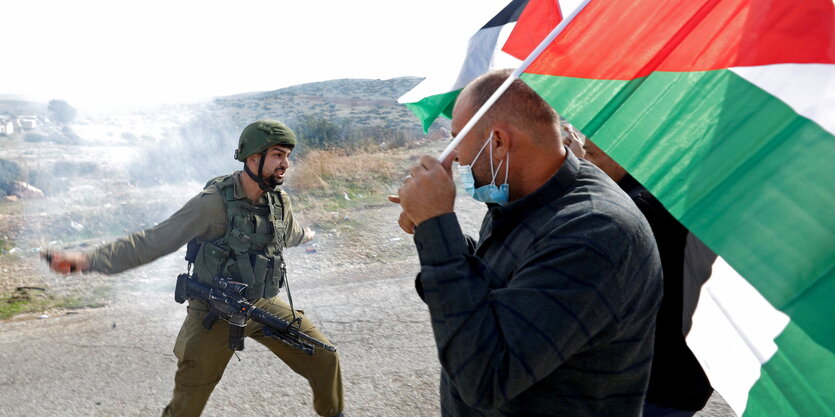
x=509 y=14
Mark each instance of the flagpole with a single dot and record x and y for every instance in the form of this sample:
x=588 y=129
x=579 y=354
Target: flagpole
x=513 y=76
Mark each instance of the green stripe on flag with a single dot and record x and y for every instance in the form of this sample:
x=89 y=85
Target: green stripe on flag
x=428 y=109
x=586 y=103
x=736 y=165
x=795 y=381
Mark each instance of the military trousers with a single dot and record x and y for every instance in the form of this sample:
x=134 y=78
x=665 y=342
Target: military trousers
x=202 y=356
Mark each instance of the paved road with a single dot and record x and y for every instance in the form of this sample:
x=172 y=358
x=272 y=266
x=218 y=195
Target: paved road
x=118 y=360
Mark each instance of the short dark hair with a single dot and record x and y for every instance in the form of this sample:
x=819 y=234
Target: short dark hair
x=519 y=104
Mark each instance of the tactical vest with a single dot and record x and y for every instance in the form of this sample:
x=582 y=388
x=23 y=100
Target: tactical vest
x=251 y=250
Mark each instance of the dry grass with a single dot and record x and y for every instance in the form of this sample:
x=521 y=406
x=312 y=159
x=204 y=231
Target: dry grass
x=327 y=185
x=328 y=171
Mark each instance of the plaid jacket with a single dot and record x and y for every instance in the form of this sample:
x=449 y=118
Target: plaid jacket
x=552 y=312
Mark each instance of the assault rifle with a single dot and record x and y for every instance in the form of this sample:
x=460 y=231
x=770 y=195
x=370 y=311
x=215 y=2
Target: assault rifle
x=227 y=302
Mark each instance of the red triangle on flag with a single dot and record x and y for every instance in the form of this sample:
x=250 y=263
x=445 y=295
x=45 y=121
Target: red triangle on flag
x=534 y=24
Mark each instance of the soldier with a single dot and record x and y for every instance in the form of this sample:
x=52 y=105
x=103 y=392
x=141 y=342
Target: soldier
x=230 y=219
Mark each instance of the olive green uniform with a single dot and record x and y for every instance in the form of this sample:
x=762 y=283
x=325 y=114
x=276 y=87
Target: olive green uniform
x=203 y=354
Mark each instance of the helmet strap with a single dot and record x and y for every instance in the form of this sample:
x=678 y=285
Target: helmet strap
x=257 y=178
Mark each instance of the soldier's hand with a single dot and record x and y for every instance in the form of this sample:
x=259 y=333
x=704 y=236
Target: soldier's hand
x=309 y=234
x=67 y=262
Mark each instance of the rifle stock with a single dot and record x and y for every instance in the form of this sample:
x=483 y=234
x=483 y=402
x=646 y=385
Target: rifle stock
x=227 y=302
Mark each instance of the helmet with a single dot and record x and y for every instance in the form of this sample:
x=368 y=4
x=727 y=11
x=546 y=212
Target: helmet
x=261 y=135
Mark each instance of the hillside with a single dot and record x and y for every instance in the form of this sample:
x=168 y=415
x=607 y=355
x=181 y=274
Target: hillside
x=352 y=114
x=195 y=141
x=355 y=103
x=358 y=101
x=13 y=106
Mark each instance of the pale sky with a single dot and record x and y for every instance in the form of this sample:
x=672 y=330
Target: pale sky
x=99 y=54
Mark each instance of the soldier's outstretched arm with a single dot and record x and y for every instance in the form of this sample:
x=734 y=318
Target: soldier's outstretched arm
x=203 y=216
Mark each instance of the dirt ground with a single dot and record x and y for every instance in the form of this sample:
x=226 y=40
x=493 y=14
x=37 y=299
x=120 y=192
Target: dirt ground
x=118 y=360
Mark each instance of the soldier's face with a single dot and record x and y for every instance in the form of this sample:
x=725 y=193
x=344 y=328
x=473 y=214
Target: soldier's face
x=276 y=164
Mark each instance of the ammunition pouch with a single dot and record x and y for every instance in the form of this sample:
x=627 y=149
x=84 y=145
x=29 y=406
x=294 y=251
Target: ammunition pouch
x=251 y=250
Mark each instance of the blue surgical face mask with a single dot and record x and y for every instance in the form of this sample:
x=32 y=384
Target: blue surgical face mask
x=490 y=193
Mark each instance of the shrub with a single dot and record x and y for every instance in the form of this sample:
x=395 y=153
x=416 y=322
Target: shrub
x=34 y=137
x=316 y=132
x=55 y=177
x=65 y=137
x=9 y=173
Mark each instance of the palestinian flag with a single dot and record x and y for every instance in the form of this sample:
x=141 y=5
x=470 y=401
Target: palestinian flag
x=725 y=111
x=495 y=45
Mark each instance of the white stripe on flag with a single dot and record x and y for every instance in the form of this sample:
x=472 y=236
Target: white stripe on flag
x=733 y=333
x=483 y=54
x=809 y=89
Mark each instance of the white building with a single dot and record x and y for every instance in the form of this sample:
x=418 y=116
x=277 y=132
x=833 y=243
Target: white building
x=27 y=123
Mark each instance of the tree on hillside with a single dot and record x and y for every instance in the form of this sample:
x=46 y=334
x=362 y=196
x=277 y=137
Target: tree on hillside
x=317 y=132
x=61 y=112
